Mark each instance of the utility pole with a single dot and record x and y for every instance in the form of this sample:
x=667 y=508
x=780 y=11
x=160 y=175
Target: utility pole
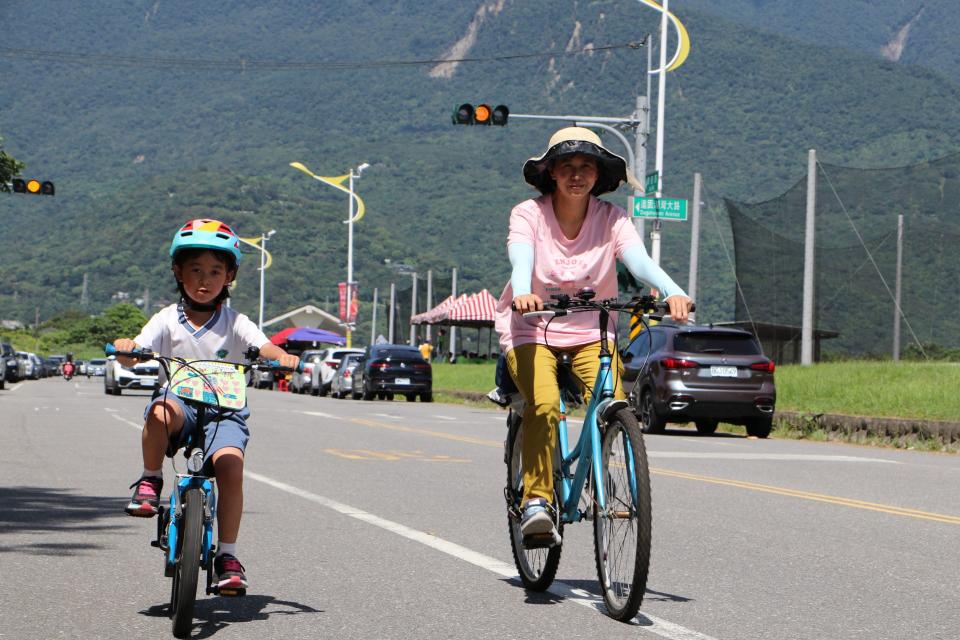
x=694 y=241
x=413 y=310
x=806 y=329
x=373 y=319
x=429 y=299
x=897 y=290
x=453 y=329
x=393 y=306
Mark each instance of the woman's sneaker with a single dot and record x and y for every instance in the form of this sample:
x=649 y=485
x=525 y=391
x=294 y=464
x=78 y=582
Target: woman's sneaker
x=231 y=580
x=537 y=525
x=146 y=497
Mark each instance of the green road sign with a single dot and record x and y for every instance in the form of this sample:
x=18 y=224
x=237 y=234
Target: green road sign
x=652 y=183
x=663 y=208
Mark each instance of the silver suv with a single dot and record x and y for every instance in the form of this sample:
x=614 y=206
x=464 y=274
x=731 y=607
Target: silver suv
x=699 y=373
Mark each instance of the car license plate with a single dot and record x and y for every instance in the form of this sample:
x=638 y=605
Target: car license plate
x=146 y=382
x=402 y=381
x=723 y=372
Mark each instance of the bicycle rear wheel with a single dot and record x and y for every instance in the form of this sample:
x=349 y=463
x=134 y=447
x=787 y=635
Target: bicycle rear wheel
x=188 y=564
x=537 y=567
x=621 y=531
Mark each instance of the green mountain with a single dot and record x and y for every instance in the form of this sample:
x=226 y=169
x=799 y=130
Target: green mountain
x=150 y=113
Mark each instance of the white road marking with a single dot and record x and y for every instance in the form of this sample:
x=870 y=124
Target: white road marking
x=319 y=414
x=645 y=622
x=710 y=441
x=14 y=387
x=110 y=410
x=805 y=457
x=389 y=415
x=446 y=418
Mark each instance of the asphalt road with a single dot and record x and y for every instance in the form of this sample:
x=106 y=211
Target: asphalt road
x=386 y=520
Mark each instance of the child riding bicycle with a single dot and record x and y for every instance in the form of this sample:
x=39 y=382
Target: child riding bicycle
x=565 y=240
x=205 y=257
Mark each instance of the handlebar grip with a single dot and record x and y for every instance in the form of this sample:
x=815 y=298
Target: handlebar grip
x=275 y=364
x=109 y=349
x=546 y=313
x=140 y=354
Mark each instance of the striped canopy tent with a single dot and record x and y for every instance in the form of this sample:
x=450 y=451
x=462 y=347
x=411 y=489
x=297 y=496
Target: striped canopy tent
x=439 y=313
x=477 y=310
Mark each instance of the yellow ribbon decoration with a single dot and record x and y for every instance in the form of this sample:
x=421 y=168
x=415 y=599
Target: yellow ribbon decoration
x=683 y=38
x=255 y=242
x=337 y=183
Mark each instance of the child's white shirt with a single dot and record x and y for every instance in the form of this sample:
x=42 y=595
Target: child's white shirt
x=225 y=336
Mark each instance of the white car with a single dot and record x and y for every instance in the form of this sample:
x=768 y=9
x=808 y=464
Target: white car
x=26 y=367
x=330 y=360
x=96 y=367
x=302 y=382
x=117 y=377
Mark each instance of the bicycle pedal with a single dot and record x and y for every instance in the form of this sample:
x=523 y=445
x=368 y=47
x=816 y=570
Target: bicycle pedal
x=541 y=541
x=232 y=592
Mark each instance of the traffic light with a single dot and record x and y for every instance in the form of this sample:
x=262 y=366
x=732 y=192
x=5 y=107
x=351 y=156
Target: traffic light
x=34 y=187
x=481 y=114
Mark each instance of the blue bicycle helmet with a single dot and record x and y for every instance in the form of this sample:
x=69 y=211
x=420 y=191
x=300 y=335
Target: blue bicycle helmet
x=204 y=233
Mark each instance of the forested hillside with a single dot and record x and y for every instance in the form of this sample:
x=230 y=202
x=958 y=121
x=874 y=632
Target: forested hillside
x=195 y=121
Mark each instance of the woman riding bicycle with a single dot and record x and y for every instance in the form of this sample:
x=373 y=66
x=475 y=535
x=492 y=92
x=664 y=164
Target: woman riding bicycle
x=559 y=243
x=205 y=257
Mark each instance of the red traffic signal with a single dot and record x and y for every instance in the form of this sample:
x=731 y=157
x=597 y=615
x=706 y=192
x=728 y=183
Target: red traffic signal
x=34 y=187
x=481 y=114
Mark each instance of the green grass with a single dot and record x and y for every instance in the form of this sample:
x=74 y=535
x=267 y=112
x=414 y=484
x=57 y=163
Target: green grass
x=882 y=389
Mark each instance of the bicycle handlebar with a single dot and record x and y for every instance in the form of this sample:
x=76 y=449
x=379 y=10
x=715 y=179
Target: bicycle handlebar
x=144 y=355
x=563 y=304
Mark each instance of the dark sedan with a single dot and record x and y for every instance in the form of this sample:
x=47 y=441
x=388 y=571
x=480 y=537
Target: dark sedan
x=388 y=369
x=700 y=373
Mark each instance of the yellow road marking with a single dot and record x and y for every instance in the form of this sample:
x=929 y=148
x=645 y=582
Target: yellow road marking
x=391 y=456
x=426 y=432
x=817 y=497
x=805 y=495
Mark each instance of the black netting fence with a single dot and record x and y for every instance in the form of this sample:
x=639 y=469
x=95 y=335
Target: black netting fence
x=856 y=256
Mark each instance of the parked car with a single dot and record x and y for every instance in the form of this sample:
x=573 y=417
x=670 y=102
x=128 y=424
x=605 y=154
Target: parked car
x=9 y=358
x=81 y=367
x=700 y=373
x=341 y=385
x=96 y=367
x=56 y=361
x=301 y=381
x=262 y=379
x=386 y=369
x=26 y=367
x=116 y=377
x=328 y=367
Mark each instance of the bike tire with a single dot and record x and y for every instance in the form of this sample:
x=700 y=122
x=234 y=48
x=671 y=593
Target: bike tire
x=621 y=532
x=537 y=567
x=187 y=567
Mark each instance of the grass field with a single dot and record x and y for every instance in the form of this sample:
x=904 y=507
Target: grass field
x=883 y=389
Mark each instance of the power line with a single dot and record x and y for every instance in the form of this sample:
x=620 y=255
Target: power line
x=247 y=64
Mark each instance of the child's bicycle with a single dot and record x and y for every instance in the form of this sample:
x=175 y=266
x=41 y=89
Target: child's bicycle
x=185 y=527
x=607 y=469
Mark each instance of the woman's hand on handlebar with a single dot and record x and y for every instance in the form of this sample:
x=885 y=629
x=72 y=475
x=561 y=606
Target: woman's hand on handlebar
x=680 y=307
x=125 y=344
x=527 y=302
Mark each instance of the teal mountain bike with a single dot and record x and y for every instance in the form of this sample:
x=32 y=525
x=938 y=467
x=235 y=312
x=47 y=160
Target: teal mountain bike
x=604 y=479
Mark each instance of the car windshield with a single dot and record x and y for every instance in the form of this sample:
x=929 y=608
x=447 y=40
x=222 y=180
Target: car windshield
x=313 y=358
x=100 y=362
x=338 y=355
x=730 y=344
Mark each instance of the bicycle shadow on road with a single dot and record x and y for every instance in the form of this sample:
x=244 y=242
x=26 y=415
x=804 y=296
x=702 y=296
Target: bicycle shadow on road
x=49 y=510
x=591 y=589
x=212 y=615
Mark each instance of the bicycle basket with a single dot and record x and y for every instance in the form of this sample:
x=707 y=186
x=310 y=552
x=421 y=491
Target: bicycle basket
x=214 y=383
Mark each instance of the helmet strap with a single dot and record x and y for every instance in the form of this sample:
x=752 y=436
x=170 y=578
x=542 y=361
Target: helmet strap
x=193 y=305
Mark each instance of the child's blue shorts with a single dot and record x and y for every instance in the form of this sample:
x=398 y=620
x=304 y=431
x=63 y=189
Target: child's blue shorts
x=226 y=429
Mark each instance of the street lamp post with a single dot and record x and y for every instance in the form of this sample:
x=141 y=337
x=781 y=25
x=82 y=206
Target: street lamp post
x=263 y=268
x=353 y=176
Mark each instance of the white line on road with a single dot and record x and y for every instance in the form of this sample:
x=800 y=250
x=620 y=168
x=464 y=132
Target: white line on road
x=645 y=622
x=702 y=455
x=319 y=414
x=14 y=387
x=446 y=418
x=389 y=415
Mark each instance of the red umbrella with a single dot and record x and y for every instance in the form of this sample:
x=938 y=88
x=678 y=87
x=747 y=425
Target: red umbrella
x=280 y=337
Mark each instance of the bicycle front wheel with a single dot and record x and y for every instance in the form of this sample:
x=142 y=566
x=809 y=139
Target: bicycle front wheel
x=188 y=564
x=621 y=529
x=537 y=567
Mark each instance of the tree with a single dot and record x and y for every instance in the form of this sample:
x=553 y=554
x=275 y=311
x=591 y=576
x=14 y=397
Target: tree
x=9 y=167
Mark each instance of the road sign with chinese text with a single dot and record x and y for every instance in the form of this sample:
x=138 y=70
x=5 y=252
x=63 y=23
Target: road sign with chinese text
x=663 y=208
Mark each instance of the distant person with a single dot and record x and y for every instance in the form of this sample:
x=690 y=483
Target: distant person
x=426 y=350
x=560 y=242
x=205 y=256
